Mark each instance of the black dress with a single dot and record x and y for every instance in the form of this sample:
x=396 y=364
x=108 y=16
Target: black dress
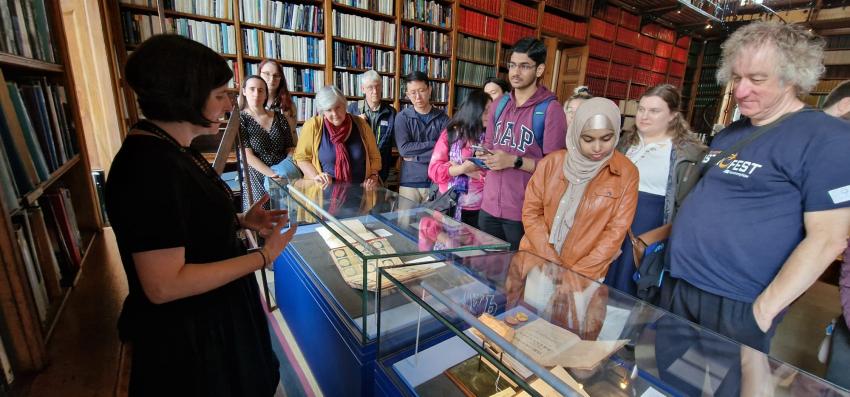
x=269 y=146
x=213 y=344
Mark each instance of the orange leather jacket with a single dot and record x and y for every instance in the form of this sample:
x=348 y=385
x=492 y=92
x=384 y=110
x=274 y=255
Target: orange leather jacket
x=602 y=220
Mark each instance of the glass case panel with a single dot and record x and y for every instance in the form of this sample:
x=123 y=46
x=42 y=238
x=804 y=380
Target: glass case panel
x=512 y=323
x=346 y=232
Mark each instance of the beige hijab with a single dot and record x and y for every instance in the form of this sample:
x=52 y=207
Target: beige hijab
x=596 y=113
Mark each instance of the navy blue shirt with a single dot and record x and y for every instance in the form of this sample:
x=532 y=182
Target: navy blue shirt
x=356 y=154
x=743 y=219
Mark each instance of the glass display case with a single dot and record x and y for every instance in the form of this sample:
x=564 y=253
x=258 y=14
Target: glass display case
x=514 y=324
x=346 y=232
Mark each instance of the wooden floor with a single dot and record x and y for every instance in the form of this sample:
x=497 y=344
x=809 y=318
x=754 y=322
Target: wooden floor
x=85 y=353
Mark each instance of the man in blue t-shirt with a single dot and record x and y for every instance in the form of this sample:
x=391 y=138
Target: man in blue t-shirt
x=764 y=222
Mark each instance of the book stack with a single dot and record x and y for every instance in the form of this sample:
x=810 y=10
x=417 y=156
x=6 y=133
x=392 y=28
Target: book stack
x=597 y=67
x=837 y=72
x=616 y=89
x=680 y=54
x=488 y=6
x=355 y=27
x=220 y=37
x=287 y=47
x=641 y=76
x=836 y=57
x=511 y=33
x=684 y=42
x=620 y=72
x=602 y=29
x=646 y=44
x=381 y=7
x=212 y=8
x=474 y=74
x=363 y=57
x=659 y=32
x=577 y=7
x=563 y=26
x=286 y=16
x=659 y=65
x=25 y=30
x=430 y=12
x=677 y=69
x=627 y=37
x=663 y=49
x=475 y=49
x=521 y=13
x=477 y=24
x=138 y=27
x=600 y=48
x=304 y=107
x=425 y=40
x=636 y=91
x=435 y=68
x=349 y=84
x=825 y=86
x=625 y=56
x=595 y=85
x=297 y=79
x=629 y=20
x=645 y=61
x=38 y=135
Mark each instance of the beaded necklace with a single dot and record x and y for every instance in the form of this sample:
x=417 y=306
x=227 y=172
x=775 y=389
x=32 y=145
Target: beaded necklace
x=194 y=155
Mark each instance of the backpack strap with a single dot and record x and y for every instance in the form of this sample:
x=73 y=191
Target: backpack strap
x=538 y=121
x=500 y=107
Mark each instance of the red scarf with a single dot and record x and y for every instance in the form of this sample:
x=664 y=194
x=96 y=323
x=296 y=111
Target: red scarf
x=342 y=168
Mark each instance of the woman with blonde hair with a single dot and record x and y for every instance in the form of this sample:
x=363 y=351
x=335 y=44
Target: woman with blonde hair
x=668 y=156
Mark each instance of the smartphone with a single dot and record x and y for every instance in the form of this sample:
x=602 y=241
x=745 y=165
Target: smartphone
x=479 y=163
x=482 y=149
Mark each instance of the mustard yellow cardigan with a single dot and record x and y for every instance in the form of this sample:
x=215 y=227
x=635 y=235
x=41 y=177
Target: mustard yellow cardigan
x=311 y=136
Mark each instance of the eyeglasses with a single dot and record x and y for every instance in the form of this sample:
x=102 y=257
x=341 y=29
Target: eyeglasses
x=417 y=93
x=275 y=76
x=525 y=67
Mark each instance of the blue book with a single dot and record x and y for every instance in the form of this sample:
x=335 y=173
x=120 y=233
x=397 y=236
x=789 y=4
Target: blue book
x=16 y=163
x=36 y=107
x=29 y=134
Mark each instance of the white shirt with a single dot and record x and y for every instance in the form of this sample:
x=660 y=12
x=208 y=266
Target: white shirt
x=653 y=162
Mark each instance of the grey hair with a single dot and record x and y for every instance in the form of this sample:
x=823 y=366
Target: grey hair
x=327 y=97
x=799 y=52
x=369 y=76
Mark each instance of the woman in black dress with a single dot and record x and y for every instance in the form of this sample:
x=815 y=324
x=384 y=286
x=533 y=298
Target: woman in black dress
x=267 y=137
x=193 y=313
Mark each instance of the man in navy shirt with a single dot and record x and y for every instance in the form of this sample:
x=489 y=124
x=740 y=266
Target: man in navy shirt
x=763 y=223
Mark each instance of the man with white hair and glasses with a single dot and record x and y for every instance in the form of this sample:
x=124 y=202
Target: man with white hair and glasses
x=772 y=210
x=379 y=115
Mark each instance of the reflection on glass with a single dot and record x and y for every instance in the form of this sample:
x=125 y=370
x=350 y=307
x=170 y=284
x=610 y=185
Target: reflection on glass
x=592 y=338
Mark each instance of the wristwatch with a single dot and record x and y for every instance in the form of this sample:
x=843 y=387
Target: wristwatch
x=518 y=162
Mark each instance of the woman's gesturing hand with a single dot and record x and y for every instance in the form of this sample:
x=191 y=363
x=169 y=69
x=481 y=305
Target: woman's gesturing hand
x=261 y=220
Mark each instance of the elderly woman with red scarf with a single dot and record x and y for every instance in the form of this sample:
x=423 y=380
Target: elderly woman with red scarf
x=334 y=146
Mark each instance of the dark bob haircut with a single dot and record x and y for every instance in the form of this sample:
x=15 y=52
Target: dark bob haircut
x=416 y=76
x=532 y=47
x=173 y=77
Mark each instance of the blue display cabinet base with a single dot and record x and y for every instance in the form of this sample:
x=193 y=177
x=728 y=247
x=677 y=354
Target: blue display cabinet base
x=340 y=362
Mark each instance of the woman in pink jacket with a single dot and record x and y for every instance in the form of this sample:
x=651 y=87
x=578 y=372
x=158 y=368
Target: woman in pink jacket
x=450 y=164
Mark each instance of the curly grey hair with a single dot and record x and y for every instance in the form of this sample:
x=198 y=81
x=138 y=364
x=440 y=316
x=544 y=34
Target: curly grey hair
x=327 y=97
x=799 y=52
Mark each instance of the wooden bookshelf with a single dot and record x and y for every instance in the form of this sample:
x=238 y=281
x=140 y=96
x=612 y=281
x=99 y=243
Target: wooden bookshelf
x=24 y=331
x=362 y=12
x=279 y=30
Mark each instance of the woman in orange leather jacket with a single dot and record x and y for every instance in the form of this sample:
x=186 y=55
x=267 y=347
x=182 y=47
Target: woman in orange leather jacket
x=580 y=202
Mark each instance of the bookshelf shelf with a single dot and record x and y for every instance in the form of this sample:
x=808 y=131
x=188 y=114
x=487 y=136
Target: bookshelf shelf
x=302 y=93
x=29 y=63
x=485 y=63
x=285 y=62
x=134 y=7
x=30 y=197
x=468 y=85
x=361 y=70
x=566 y=39
x=279 y=30
x=361 y=11
x=480 y=11
x=366 y=43
x=198 y=17
x=565 y=12
x=519 y=22
x=476 y=35
x=429 y=54
x=426 y=25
